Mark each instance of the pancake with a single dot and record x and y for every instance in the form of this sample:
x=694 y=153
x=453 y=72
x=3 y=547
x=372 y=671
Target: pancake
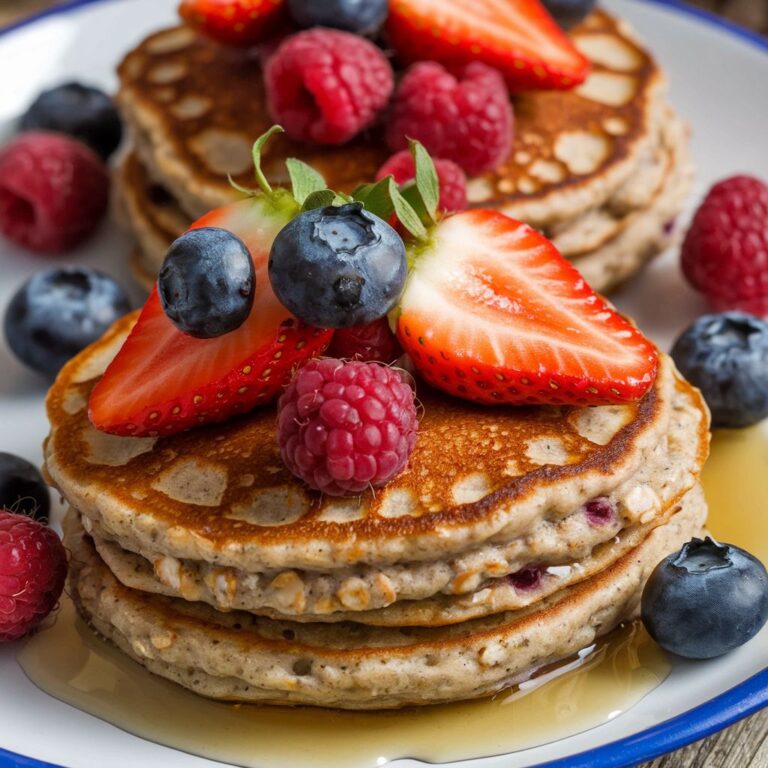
x=221 y=492
x=572 y=152
x=487 y=491
x=444 y=592
x=237 y=656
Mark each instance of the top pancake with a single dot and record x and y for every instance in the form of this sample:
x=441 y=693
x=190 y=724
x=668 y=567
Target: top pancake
x=572 y=150
x=222 y=494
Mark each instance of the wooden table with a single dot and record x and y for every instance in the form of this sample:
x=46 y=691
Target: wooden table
x=744 y=745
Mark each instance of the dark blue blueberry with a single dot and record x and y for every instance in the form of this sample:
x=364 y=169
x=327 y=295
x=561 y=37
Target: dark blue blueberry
x=337 y=267
x=207 y=283
x=22 y=488
x=705 y=600
x=568 y=13
x=58 y=313
x=363 y=17
x=726 y=357
x=85 y=113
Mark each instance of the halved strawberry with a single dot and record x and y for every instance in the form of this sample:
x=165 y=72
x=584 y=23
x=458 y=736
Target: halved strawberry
x=518 y=37
x=163 y=381
x=493 y=313
x=236 y=22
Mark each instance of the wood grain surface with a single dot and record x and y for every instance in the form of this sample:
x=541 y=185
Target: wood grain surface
x=744 y=745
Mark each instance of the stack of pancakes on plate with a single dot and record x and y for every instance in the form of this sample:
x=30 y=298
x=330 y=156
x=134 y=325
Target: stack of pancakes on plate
x=514 y=538
x=602 y=170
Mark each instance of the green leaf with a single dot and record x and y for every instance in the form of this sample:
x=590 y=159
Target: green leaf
x=241 y=188
x=319 y=199
x=427 y=181
x=304 y=179
x=375 y=198
x=412 y=195
x=342 y=198
x=405 y=212
x=258 y=145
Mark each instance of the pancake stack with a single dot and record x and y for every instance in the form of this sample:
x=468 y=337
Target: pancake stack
x=602 y=170
x=514 y=538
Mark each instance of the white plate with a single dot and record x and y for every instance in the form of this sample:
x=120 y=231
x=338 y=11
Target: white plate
x=718 y=77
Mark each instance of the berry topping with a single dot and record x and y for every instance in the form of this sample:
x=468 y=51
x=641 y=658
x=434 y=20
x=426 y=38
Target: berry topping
x=164 y=381
x=33 y=567
x=344 y=427
x=54 y=192
x=467 y=119
x=206 y=285
x=335 y=267
x=237 y=22
x=705 y=600
x=517 y=37
x=22 y=488
x=453 y=181
x=725 y=253
x=325 y=86
x=58 y=313
x=363 y=17
x=370 y=343
x=568 y=13
x=85 y=113
x=493 y=313
x=527 y=579
x=726 y=357
x=600 y=511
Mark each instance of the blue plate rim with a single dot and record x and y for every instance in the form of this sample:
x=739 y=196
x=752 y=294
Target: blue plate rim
x=738 y=702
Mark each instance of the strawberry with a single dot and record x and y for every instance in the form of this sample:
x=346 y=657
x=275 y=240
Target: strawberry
x=494 y=314
x=517 y=37
x=235 y=22
x=163 y=381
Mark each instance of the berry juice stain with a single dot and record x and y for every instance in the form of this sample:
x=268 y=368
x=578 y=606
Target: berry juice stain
x=71 y=664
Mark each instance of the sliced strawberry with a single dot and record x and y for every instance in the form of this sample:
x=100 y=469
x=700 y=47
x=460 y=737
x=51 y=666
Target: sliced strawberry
x=163 y=381
x=236 y=22
x=493 y=313
x=518 y=37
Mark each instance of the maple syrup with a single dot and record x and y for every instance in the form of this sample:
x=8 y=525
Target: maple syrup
x=70 y=663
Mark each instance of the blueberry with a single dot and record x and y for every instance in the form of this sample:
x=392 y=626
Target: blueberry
x=207 y=283
x=705 y=600
x=337 y=267
x=568 y=13
x=57 y=313
x=726 y=357
x=22 y=488
x=363 y=17
x=85 y=113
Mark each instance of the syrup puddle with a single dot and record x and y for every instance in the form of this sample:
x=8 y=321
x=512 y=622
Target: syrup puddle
x=70 y=663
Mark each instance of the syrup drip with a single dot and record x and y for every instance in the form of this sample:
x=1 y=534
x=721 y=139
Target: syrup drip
x=70 y=663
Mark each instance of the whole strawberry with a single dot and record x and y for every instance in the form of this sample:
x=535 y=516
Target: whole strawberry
x=725 y=253
x=33 y=567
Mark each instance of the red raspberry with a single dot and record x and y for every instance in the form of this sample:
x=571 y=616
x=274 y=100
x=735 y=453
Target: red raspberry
x=33 y=566
x=371 y=343
x=453 y=181
x=468 y=120
x=343 y=427
x=54 y=191
x=725 y=253
x=325 y=86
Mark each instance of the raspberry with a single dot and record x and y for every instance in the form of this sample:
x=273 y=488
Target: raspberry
x=467 y=119
x=725 y=253
x=346 y=426
x=453 y=181
x=53 y=191
x=370 y=343
x=33 y=566
x=325 y=86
